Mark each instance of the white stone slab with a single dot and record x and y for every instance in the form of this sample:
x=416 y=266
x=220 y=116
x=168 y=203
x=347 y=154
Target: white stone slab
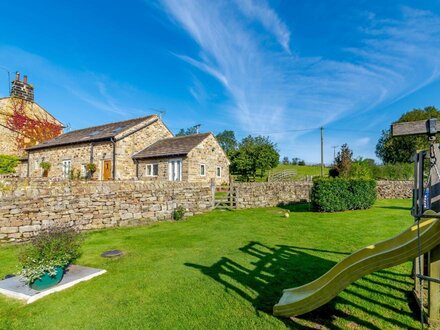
x=16 y=287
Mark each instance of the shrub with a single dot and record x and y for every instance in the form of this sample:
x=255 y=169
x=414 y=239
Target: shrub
x=179 y=213
x=8 y=164
x=54 y=247
x=45 y=166
x=332 y=195
x=399 y=171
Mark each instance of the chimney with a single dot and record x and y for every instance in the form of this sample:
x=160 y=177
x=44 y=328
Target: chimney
x=21 y=89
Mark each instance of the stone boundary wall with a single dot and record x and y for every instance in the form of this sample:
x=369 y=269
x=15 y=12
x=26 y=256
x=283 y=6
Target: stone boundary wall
x=267 y=194
x=394 y=189
x=27 y=209
x=28 y=206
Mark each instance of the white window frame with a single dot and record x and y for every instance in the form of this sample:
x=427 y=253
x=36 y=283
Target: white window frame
x=172 y=167
x=217 y=171
x=151 y=167
x=204 y=170
x=83 y=170
x=66 y=168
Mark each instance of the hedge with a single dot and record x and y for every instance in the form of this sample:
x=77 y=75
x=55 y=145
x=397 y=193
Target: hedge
x=337 y=194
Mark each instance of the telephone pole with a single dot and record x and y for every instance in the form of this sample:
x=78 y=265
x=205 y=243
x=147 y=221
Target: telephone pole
x=322 y=151
x=334 y=152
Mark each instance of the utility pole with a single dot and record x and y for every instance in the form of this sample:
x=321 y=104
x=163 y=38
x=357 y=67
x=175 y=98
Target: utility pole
x=322 y=151
x=197 y=127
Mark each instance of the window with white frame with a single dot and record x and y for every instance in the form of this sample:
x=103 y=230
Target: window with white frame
x=83 y=170
x=202 y=169
x=67 y=166
x=175 y=170
x=219 y=172
x=152 y=170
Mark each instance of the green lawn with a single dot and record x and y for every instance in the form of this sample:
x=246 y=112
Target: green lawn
x=225 y=270
x=302 y=171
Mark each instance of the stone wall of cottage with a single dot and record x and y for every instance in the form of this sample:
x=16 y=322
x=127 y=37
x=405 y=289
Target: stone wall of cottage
x=26 y=208
x=133 y=143
x=210 y=154
x=207 y=153
x=78 y=154
x=8 y=138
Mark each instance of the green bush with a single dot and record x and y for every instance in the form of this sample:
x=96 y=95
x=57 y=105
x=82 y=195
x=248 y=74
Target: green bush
x=56 y=246
x=399 y=171
x=179 y=213
x=336 y=194
x=8 y=164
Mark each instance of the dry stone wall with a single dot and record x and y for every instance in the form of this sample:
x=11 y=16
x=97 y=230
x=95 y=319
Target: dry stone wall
x=27 y=209
x=28 y=206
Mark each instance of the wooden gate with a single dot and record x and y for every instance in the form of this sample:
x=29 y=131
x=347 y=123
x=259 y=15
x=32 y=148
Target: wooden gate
x=225 y=197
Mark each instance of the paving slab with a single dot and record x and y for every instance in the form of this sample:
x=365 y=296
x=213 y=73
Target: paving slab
x=16 y=287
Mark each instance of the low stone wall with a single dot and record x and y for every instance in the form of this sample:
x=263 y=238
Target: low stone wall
x=26 y=209
x=267 y=194
x=28 y=206
x=394 y=189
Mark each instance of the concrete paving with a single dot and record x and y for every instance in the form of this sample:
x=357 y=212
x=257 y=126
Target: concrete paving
x=16 y=287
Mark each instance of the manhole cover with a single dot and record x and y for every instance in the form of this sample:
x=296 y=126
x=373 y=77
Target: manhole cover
x=112 y=254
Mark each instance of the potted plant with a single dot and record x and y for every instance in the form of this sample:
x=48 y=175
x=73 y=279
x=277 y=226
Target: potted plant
x=45 y=258
x=46 y=167
x=91 y=169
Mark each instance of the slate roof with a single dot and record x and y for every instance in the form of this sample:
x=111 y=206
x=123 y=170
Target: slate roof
x=175 y=146
x=91 y=134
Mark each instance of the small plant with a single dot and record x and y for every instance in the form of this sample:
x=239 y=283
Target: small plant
x=45 y=167
x=54 y=247
x=179 y=213
x=91 y=167
x=8 y=164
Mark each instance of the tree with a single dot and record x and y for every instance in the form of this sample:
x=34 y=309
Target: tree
x=227 y=141
x=295 y=161
x=286 y=160
x=343 y=162
x=189 y=131
x=402 y=148
x=253 y=154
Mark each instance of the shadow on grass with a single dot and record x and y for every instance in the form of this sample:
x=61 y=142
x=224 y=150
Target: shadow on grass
x=395 y=207
x=276 y=268
x=296 y=207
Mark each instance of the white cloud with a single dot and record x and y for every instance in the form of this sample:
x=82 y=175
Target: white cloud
x=271 y=90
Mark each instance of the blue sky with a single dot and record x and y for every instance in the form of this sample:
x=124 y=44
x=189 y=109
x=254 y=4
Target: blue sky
x=276 y=68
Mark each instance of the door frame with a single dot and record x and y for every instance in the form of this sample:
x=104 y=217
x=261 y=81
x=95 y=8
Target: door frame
x=103 y=169
x=170 y=161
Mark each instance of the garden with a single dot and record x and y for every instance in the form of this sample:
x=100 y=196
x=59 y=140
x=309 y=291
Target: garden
x=228 y=269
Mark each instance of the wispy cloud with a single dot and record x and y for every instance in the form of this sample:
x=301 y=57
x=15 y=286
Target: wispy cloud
x=271 y=88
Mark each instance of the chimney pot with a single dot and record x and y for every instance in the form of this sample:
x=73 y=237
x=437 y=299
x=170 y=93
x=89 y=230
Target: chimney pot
x=17 y=76
x=25 y=79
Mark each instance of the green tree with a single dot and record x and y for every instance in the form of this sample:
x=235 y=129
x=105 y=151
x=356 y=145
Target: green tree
x=286 y=160
x=227 y=141
x=343 y=162
x=402 y=148
x=189 y=131
x=254 y=154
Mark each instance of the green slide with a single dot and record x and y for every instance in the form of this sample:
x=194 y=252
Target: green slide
x=392 y=252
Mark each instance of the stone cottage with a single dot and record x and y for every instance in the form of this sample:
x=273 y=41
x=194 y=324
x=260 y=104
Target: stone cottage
x=23 y=122
x=192 y=158
x=109 y=147
x=142 y=148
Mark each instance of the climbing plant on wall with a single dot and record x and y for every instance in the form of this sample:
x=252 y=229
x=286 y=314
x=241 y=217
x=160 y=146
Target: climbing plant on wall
x=31 y=127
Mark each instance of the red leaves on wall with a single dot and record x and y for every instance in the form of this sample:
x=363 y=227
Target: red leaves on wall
x=31 y=129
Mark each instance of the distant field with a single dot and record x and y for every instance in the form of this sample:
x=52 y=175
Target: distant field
x=302 y=171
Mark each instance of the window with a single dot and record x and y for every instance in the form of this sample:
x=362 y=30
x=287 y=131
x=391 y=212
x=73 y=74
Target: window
x=202 y=169
x=219 y=172
x=152 y=169
x=175 y=170
x=67 y=166
x=83 y=170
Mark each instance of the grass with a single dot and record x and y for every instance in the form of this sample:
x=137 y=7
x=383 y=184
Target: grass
x=302 y=171
x=225 y=270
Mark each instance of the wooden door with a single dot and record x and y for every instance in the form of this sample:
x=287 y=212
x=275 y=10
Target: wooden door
x=107 y=172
